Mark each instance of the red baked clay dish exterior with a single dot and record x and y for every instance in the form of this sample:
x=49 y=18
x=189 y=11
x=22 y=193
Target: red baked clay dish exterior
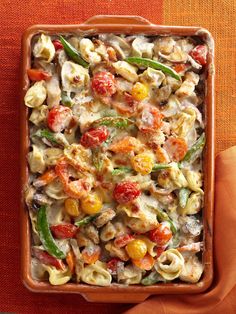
x=129 y=25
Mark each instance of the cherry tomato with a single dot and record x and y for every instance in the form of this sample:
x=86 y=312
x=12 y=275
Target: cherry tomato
x=47 y=259
x=159 y=250
x=38 y=75
x=57 y=44
x=103 y=83
x=176 y=148
x=112 y=265
x=180 y=67
x=125 y=192
x=59 y=118
x=161 y=235
x=123 y=240
x=94 y=137
x=64 y=231
x=199 y=54
x=150 y=119
x=145 y=263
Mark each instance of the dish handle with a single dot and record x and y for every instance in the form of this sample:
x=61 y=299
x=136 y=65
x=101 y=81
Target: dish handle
x=117 y=19
x=116 y=297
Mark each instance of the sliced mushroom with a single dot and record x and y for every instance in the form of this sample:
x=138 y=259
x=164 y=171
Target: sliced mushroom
x=177 y=56
x=104 y=217
x=118 y=43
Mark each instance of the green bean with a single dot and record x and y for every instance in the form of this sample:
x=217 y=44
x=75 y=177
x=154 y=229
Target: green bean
x=157 y=167
x=72 y=53
x=196 y=149
x=121 y=170
x=153 y=64
x=116 y=122
x=151 y=279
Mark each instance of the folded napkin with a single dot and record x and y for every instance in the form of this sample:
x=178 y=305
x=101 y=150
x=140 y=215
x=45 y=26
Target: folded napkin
x=221 y=296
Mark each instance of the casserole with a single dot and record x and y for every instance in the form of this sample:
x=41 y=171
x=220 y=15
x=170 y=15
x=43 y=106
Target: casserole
x=135 y=25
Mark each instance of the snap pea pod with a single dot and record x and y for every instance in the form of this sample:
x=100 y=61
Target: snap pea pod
x=85 y=220
x=196 y=149
x=121 y=170
x=151 y=279
x=157 y=167
x=97 y=159
x=116 y=122
x=183 y=196
x=72 y=53
x=162 y=216
x=66 y=100
x=153 y=64
x=45 y=234
x=48 y=135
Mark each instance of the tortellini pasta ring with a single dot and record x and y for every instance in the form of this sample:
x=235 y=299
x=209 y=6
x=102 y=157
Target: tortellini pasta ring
x=44 y=48
x=96 y=274
x=170 y=264
x=36 y=95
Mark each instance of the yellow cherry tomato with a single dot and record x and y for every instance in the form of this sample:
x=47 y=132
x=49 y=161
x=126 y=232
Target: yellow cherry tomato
x=91 y=204
x=139 y=91
x=136 y=249
x=72 y=207
x=142 y=163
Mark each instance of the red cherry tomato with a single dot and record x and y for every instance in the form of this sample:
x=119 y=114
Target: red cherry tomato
x=64 y=231
x=38 y=75
x=161 y=235
x=125 y=192
x=150 y=119
x=103 y=83
x=47 y=259
x=59 y=118
x=199 y=54
x=159 y=250
x=94 y=137
x=57 y=44
x=112 y=265
x=123 y=240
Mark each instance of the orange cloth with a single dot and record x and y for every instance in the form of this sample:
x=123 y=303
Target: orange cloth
x=220 y=298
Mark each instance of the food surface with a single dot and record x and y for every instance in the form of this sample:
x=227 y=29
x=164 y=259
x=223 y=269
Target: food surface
x=115 y=190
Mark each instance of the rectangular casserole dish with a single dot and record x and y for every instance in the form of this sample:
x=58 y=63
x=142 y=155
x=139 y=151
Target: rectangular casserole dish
x=120 y=293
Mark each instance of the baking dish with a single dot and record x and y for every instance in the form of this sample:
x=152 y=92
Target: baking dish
x=119 y=293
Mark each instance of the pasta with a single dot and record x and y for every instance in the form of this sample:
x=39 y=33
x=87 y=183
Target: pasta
x=96 y=274
x=36 y=95
x=116 y=129
x=170 y=264
x=44 y=48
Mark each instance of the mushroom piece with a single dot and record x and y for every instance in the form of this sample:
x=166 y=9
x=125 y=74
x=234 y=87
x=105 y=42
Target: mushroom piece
x=118 y=43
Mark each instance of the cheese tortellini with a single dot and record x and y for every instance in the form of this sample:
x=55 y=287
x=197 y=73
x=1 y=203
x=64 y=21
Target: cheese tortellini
x=130 y=275
x=36 y=95
x=170 y=264
x=88 y=52
x=44 y=48
x=192 y=269
x=36 y=160
x=126 y=70
x=96 y=274
x=74 y=77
